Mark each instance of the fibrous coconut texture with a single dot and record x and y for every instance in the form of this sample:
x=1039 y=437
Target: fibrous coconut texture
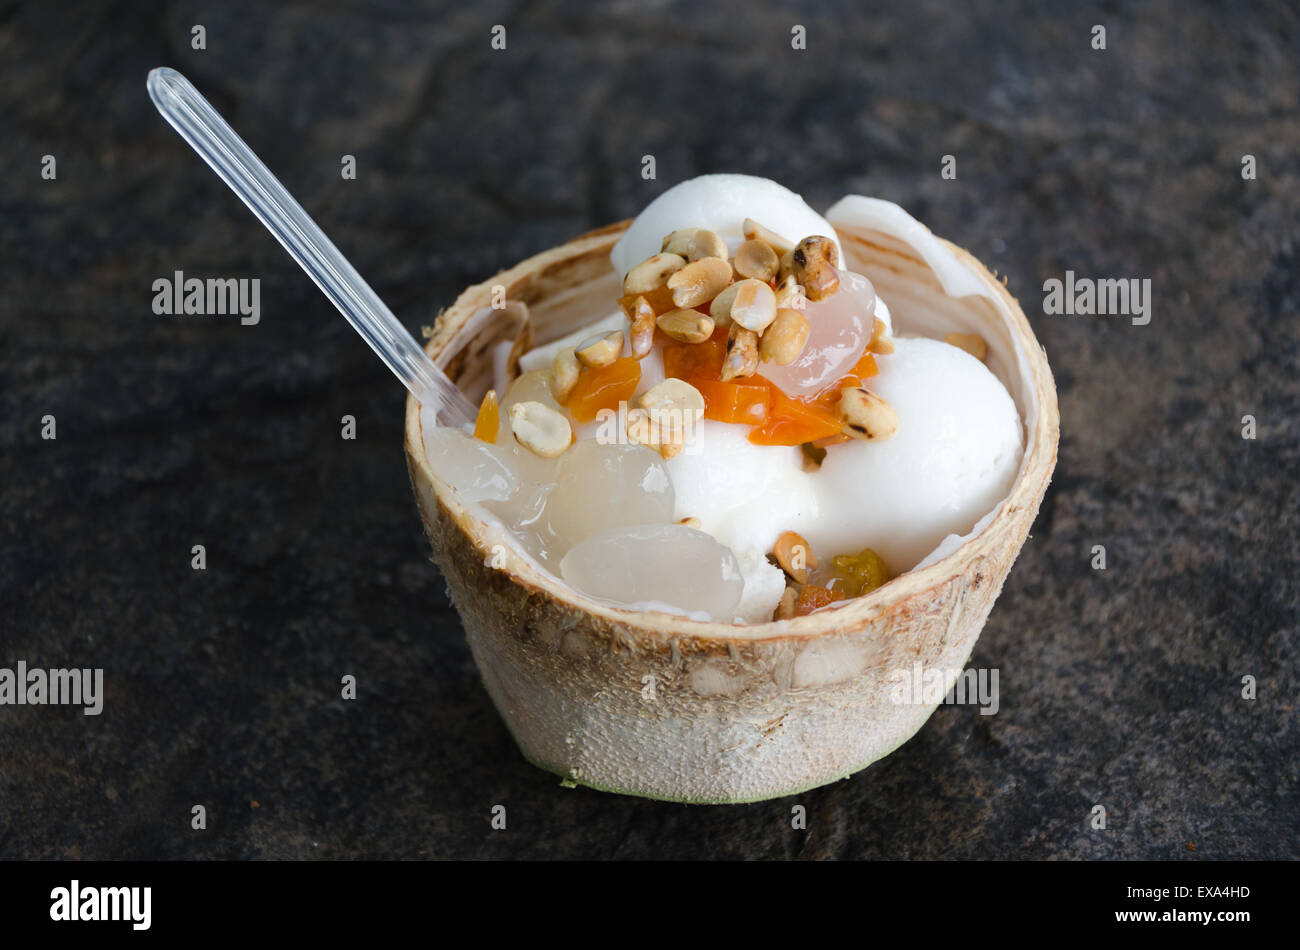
x=652 y=704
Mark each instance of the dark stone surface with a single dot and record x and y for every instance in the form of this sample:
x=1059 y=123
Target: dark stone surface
x=1119 y=688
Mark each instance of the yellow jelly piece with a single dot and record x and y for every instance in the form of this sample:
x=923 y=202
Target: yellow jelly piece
x=489 y=418
x=860 y=573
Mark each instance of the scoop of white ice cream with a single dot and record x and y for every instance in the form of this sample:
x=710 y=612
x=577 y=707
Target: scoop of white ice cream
x=953 y=459
x=720 y=203
x=744 y=495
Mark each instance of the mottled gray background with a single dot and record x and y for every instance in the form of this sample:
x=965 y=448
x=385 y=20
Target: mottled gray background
x=1119 y=688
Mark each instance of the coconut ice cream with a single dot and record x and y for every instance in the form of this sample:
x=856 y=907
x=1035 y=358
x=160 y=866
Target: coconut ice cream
x=578 y=471
x=628 y=684
x=720 y=203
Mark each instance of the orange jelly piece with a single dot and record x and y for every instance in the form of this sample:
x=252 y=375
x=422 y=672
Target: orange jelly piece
x=689 y=360
x=813 y=598
x=744 y=401
x=793 y=422
x=489 y=418
x=603 y=388
x=777 y=419
x=864 y=368
x=660 y=300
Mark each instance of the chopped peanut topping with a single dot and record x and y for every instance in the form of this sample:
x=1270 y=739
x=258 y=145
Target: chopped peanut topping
x=540 y=429
x=793 y=555
x=705 y=243
x=790 y=295
x=742 y=353
x=643 y=429
x=756 y=259
x=699 y=281
x=601 y=350
x=678 y=242
x=866 y=415
x=754 y=306
x=880 y=341
x=564 y=373
x=721 y=306
x=652 y=273
x=784 y=340
x=672 y=395
x=814 y=264
x=686 y=326
x=642 y=331
x=785 y=609
x=755 y=231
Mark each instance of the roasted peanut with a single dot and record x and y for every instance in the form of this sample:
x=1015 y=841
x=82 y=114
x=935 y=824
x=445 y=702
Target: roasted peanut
x=540 y=429
x=721 y=306
x=694 y=243
x=756 y=232
x=669 y=449
x=820 y=246
x=644 y=430
x=675 y=406
x=601 y=350
x=640 y=429
x=880 y=341
x=642 y=330
x=705 y=243
x=784 y=339
x=794 y=556
x=789 y=295
x=742 y=353
x=678 y=242
x=754 y=305
x=672 y=394
x=866 y=415
x=686 y=326
x=756 y=259
x=786 y=271
x=814 y=264
x=564 y=373
x=785 y=610
x=652 y=273
x=699 y=281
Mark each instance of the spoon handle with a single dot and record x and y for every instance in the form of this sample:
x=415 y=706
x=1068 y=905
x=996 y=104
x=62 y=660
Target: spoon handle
x=230 y=157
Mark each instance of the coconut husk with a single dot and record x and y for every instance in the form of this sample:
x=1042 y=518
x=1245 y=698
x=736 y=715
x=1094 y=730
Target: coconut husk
x=652 y=704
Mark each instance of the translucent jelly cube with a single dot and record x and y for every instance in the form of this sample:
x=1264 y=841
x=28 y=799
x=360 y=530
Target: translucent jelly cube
x=604 y=486
x=529 y=387
x=841 y=328
x=524 y=514
x=478 y=471
x=664 y=566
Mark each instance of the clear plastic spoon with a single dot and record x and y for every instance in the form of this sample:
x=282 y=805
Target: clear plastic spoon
x=230 y=157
